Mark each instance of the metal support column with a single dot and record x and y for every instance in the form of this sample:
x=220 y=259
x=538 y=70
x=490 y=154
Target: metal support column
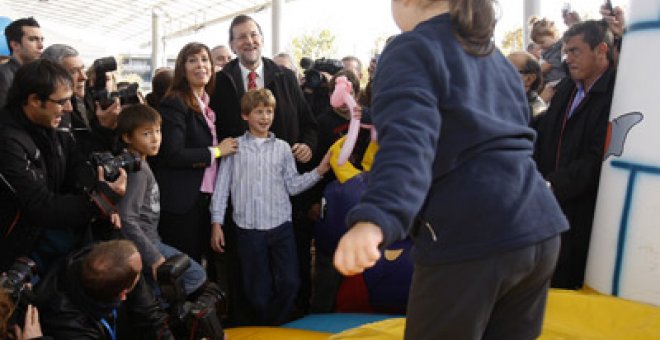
x=277 y=11
x=530 y=8
x=156 y=39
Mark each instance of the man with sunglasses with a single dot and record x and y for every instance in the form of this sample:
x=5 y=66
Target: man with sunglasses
x=45 y=206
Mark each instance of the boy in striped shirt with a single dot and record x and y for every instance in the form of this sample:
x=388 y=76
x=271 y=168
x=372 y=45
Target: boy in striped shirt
x=260 y=177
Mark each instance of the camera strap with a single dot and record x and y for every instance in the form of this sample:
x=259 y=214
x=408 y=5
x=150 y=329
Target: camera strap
x=112 y=330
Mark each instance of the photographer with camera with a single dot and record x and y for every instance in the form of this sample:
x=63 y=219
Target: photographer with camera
x=88 y=295
x=316 y=76
x=44 y=207
x=91 y=125
x=15 y=301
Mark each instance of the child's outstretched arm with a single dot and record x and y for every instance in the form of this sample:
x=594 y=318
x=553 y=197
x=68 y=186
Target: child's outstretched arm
x=324 y=166
x=358 y=248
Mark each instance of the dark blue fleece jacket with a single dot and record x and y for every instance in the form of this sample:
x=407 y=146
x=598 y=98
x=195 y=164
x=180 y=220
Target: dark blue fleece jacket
x=455 y=164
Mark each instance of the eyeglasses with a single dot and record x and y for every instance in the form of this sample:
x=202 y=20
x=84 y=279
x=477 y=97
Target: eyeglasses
x=60 y=102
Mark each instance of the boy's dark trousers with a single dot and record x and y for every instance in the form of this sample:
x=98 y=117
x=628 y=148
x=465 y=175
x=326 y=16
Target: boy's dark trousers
x=269 y=267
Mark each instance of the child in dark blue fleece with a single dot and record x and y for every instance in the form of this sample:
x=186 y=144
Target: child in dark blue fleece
x=455 y=170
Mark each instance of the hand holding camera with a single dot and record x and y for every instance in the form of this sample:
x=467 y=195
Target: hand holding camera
x=108 y=117
x=32 y=327
x=107 y=99
x=614 y=18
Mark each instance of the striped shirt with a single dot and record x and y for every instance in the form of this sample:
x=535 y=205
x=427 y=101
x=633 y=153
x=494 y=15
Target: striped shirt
x=260 y=176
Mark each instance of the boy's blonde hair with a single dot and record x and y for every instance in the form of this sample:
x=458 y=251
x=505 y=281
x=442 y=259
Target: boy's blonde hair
x=253 y=98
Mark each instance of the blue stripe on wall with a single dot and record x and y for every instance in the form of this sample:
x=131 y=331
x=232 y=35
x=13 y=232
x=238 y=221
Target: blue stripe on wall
x=623 y=226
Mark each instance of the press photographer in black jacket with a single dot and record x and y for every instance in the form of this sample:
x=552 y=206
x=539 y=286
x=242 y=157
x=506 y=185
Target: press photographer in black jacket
x=45 y=208
x=90 y=296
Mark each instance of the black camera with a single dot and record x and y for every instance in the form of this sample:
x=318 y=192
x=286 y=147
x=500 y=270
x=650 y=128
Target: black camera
x=111 y=164
x=197 y=319
x=313 y=77
x=14 y=281
x=100 y=93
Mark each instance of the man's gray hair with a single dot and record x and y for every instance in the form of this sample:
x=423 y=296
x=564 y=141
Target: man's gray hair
x=57 y=52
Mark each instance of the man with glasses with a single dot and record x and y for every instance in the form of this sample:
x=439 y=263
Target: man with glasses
x=25 y=44
x=48 y=194
x=91 y=126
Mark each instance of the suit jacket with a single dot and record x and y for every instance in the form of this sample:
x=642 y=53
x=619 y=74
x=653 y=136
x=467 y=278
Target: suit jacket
x=183 y=155
x=293 y=122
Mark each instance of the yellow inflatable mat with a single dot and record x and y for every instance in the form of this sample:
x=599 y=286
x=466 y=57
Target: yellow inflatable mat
x=569 y=315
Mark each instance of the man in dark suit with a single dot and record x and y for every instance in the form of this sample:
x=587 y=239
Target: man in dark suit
x=294 y=121
x=571 y=138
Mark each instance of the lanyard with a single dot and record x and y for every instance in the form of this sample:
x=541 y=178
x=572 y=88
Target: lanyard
x=112 y=330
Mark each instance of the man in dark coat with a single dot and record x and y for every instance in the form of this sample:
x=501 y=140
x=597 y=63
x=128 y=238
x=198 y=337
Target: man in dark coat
x=294 y=121
x=571 y=140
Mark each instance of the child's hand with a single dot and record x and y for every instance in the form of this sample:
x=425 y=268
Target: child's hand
x=228 y=146
x=217 y=238
x=358 y=248
x=324 y=166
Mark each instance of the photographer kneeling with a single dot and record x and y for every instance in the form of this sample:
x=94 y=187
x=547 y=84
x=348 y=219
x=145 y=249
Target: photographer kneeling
x=83 y=297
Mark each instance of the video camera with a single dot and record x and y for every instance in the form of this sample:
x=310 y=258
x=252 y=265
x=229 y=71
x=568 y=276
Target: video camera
x=100 y=93
x=15 y=283
x=313 y=77
x=111 y=164
x=197 y=319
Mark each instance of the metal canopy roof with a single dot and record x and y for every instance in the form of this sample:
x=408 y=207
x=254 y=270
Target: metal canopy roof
x=130 y=21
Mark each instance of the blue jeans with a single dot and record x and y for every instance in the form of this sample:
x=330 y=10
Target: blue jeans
x=269 y=267
x=193 y=278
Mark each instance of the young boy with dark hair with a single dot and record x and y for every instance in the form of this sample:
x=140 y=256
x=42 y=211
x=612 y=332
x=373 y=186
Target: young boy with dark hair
x=261 y=176
x=139 y=128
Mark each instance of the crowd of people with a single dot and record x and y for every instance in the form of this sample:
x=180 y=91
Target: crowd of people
x=224 y=163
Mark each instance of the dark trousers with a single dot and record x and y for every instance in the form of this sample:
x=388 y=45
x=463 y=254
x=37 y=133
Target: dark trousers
x=189 y=232
x=270 y=272
x=501 y=296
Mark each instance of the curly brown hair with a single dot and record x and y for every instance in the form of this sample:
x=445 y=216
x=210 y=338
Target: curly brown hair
x=6 y=308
